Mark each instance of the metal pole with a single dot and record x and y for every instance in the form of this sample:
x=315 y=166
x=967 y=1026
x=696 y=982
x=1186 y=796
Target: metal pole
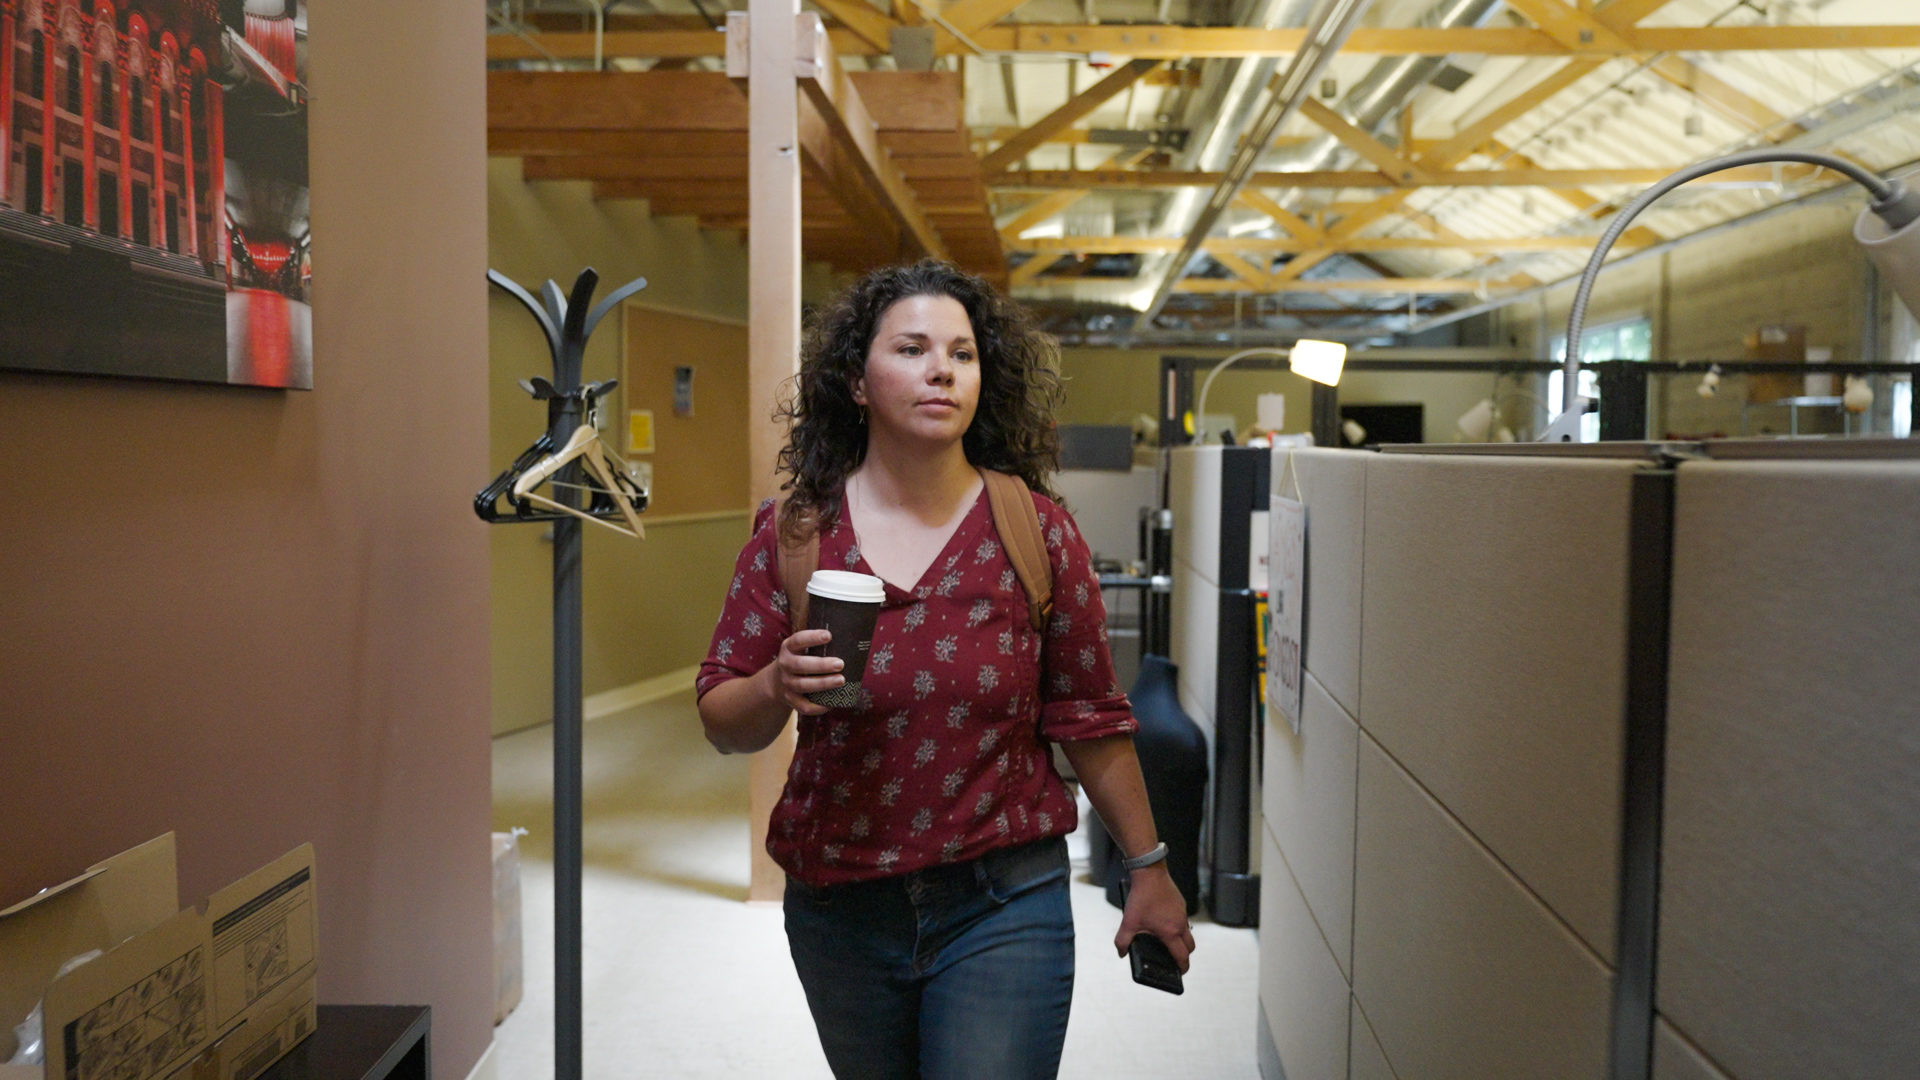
x=567 y=724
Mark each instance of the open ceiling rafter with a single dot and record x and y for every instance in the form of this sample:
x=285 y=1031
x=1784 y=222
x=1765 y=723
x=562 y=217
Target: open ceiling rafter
x=1173 y=42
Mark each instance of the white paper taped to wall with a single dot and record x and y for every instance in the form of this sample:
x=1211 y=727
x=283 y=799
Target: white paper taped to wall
x=1286 y=605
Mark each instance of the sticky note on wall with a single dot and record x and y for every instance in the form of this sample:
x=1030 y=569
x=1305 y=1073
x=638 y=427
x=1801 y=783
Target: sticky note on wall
x=639 y=431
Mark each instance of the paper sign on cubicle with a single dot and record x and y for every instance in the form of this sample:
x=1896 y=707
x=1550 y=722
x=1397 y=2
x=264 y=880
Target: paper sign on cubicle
x=1286 y=605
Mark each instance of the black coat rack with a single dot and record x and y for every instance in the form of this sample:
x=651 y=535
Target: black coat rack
x=567 y=323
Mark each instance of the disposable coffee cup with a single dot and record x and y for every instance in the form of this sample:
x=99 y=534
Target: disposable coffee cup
x=846 y=606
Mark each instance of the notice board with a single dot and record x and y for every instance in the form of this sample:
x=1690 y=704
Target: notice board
x=685 y=376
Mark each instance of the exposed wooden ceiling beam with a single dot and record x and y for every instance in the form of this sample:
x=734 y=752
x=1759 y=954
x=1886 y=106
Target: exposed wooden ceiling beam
x=867 y=22
x=1254 y=276
x=1137 y=179
x=1400 y=286
x=1391 y=164
x=517 y=142
x=1063 y=117
x=1464 y=142
x=826 y=88
x=901 y=103
x=1710 y=90
x=1574 y=29
x=1296 y=226
x=1627 y=12
x=1167 y=42
x=636 y=167
x=1125 y=245
x=1042 y=209
x=615 y=101
x=1637 y=236
x=1471 y=137
x=1031 y=269
x=974 y=15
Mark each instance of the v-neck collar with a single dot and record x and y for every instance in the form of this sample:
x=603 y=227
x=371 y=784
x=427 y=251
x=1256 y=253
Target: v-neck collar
x=930 y=577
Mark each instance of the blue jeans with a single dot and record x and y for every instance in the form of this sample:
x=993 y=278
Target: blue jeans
x=960 y=972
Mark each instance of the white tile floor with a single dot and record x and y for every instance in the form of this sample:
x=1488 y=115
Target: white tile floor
x=683 y=979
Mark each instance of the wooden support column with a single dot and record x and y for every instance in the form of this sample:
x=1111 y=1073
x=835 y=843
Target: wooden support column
x=773 y=332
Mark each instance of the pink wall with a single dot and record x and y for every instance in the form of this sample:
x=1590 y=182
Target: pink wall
x=259 y=618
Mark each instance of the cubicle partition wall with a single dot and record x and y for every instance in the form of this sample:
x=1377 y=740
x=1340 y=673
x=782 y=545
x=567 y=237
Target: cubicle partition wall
x=1790 y=869
x=1218 y=495
x=1465 y=858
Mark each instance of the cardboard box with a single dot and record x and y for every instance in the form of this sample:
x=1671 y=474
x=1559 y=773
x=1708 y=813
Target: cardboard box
x=509 y=958
x=1776 y=344
x=213 y=993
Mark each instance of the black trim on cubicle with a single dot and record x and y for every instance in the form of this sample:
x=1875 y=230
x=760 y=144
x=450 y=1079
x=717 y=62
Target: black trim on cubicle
x=1636 y=931
x=1234 y=892
x=1326 y=415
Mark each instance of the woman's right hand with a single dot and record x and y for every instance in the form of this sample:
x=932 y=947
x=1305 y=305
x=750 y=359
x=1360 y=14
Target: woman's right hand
x=793 y=674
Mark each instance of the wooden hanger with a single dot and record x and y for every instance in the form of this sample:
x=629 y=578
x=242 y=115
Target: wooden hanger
x=615 y=483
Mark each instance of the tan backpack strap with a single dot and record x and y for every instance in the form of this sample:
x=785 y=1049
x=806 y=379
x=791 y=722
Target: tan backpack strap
x=1018 y=524
x=796 y=567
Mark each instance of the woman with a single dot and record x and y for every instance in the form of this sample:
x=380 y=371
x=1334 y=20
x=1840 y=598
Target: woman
x=921 y=831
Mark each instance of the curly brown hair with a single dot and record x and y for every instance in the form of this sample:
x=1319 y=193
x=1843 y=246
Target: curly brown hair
x=1012 y=430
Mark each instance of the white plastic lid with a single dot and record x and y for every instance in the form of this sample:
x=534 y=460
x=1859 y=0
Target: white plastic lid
x=853 y=588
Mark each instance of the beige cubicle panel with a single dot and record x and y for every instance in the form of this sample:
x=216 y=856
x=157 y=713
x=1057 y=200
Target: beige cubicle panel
x=1193 y=644
x=1333 y=485
x=1675 y=1059
x=1449 y=815
x=1790 y=876
x=1464 y=973
x=1193 y=494
x=1307 y=800
x=1304 y=999
x=1493 y=658
x=1365 y=1059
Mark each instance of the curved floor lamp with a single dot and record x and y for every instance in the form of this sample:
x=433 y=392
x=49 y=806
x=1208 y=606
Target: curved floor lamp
x=1886 y=229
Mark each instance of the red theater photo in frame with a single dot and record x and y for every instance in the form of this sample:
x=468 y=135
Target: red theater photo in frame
x=153 y=190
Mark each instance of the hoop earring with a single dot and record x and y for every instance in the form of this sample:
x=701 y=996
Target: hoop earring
x=863 y=416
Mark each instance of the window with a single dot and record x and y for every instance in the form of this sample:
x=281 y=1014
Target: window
x=73 y=192
x=142 y=213
x=137 y=108
x=109 y=195
x=1628 y=339
x=168 y=137
x=39 y=65
x=36 y=194
x=73 y=79
x=172 y=222
x=106 y=108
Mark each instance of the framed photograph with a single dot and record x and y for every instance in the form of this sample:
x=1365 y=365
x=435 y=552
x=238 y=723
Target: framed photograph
x=153 y=190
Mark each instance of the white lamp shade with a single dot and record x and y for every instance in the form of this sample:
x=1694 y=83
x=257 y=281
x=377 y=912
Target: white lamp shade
x=1895 y=253
x=1477 y=421
x=1320 y=361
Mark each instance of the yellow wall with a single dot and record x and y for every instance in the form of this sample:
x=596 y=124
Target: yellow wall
x=650 y=604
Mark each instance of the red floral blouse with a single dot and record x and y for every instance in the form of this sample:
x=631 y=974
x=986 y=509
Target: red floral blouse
x=947 y=757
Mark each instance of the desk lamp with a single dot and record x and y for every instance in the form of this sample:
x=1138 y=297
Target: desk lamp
x=1321 y=361
x=1886 y=229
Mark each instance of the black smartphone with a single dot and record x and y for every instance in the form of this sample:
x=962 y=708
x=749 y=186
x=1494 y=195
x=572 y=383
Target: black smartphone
x=1153 y=964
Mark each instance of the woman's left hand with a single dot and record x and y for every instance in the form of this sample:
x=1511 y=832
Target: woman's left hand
x=1155 y=906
